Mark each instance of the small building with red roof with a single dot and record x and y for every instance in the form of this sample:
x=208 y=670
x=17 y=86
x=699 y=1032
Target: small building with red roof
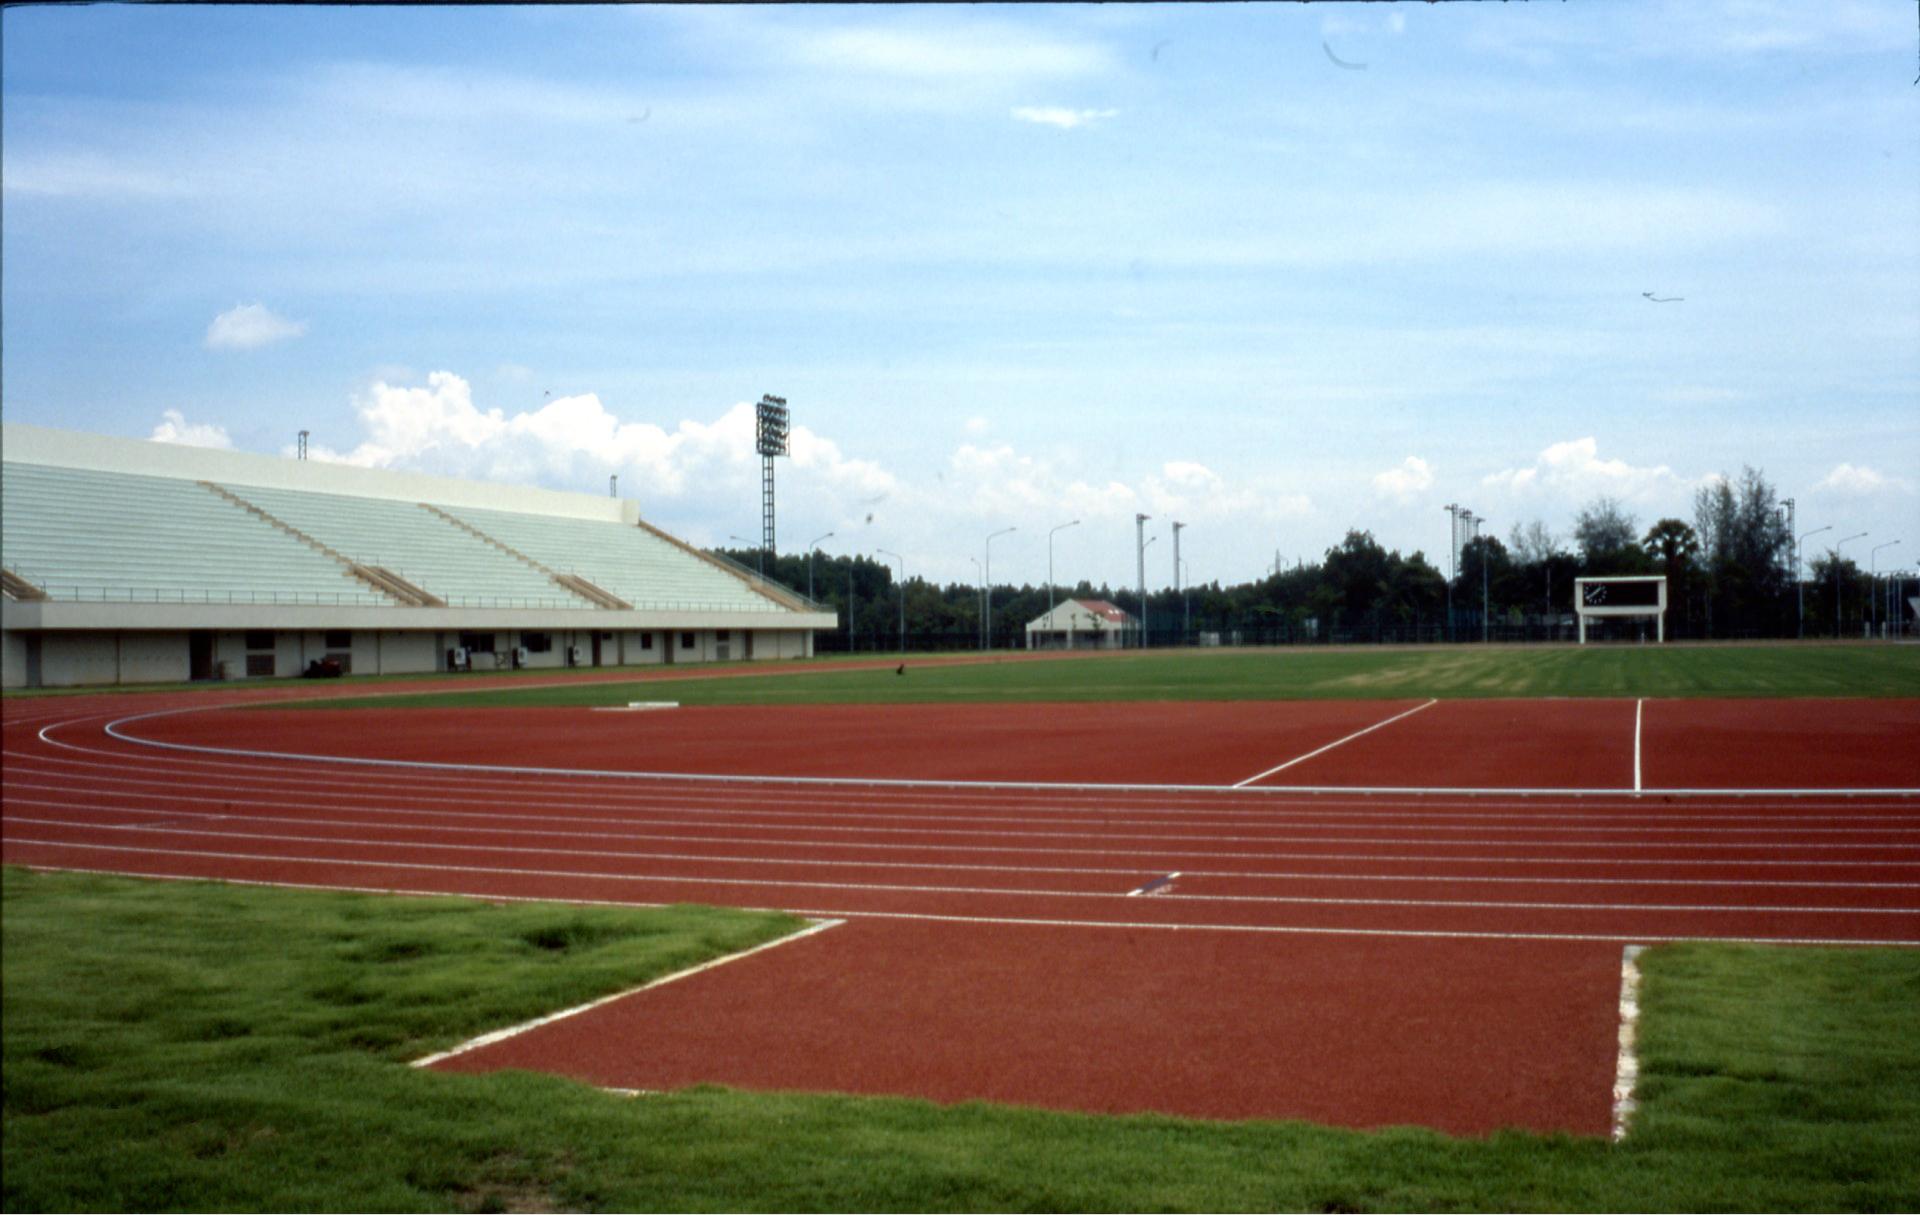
x=1083 y=624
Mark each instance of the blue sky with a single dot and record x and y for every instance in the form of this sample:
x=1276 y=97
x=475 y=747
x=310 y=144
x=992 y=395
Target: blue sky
x=1276 y=271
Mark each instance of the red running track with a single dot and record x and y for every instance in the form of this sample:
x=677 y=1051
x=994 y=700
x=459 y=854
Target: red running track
x=1354 y=958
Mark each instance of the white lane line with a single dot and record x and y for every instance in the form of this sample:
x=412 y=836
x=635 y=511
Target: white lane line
x=1626 y=1072
x=514 y=1031
x=1006 y=921
x=1301 y=759
x=911 y=888
x=113 y=730
x=1638 y=706
x=938 y=837
x=176 y=825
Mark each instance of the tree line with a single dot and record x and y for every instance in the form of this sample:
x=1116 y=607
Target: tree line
x=1729 y=575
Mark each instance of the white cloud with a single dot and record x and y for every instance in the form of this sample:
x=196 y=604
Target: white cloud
x=977 y=425
x=1058 y=116
x=249 y=326
x=1859 y=480
x=174 y=428
x=1405 y=479
x=975 y=49
x=1573 y=470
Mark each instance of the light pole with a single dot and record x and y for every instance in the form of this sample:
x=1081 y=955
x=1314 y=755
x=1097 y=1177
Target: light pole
x=1836 y=581
x=1140 y=557
x=1874 y=577
x=1800 y=583
x=986 y=576
x=1477 y=520
x=903 y=594
x=1176 y=565
x=983 y=619
x=758 y=568
x=1063 y=527
x=1186 y=603
x=810 y=550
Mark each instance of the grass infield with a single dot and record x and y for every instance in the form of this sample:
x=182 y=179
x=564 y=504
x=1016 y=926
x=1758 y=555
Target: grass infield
x=196 y=1046
x=1302 y=673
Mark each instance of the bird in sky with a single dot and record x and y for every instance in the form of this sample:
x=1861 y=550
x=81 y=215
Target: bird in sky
x=1664 y=299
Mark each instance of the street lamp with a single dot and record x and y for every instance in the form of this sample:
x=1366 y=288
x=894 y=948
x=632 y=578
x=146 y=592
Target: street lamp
x=1176 y=566
x=1453 y=559
x=810 y=549
x=1836 y=581
x=983 y=619
x=1800 y=583
x=758 y=568
x=1140 y=558
x=1063 y=527
x=986 y=576
x=903 y=594
x=1874 y=558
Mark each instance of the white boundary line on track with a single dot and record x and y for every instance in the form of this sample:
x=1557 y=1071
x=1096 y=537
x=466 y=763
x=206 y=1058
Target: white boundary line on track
x=1010 y=921
x=514 y=1031
x=906 y=888
x=114 y=729
x=1638 y=706
x=1338 y=742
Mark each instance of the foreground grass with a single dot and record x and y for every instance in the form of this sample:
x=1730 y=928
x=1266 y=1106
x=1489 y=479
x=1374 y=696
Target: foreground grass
x=1278 y=674
x=187 y=1046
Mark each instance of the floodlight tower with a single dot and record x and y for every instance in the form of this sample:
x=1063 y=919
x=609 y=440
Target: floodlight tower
x=770 y=440
x=1140 y=557
x=1176 y=558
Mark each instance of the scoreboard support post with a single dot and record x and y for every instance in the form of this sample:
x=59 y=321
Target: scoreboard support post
x=1627 y=595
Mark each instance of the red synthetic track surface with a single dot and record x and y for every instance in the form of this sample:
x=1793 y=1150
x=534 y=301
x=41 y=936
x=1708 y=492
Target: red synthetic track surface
x=1355 y=958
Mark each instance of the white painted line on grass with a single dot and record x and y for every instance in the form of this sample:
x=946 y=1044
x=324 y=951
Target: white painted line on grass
x=514 y=1031
x=1301 y=759
x=1626 y=1072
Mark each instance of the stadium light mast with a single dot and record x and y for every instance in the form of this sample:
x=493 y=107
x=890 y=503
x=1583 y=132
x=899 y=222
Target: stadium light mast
x=1061 y=528
x=1140 y=559
x=1453 y=559
x=1800 y=583
x=983 y=618
x=1177 y=525
x=810 y=551
x=770 y=440
x=1836 y=581
x=303 y=444
x=1874 y=578
x=986 y=578
x=903 y=594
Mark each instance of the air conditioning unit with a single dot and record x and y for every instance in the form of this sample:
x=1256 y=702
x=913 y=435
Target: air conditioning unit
x=520 y=656
x=576 y=656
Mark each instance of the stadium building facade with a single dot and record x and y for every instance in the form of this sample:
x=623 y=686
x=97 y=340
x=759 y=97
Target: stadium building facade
x=136 y=562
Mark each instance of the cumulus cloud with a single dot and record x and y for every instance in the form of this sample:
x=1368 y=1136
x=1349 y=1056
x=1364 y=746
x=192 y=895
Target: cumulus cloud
x=1405 y=479
x=1574 y=469
x=1060 y=116
x=1859 y=480
x=249 y=326
x=174 y=428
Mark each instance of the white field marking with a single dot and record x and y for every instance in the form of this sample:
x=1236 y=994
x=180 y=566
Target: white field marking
x=507 y=779
x=1006 y=921
x=114 y=730
x=514 y=1031
x=890 y=808
x=907 y=888
x=1528 y=859
x=172 y=826
x=636 y=706
x=1638 y=706
x=1626 y=1072
x=935 y=835
x=1717 y=827
x=1301 y=759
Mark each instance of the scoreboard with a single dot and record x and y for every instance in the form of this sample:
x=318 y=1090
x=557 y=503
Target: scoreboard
x=1634 y=595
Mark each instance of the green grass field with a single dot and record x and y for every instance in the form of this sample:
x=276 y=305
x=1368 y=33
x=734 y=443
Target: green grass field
x=186 y=1046
x=1277 y=674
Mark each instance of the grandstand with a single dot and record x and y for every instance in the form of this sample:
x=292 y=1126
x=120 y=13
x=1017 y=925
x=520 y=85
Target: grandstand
x=134 y=562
